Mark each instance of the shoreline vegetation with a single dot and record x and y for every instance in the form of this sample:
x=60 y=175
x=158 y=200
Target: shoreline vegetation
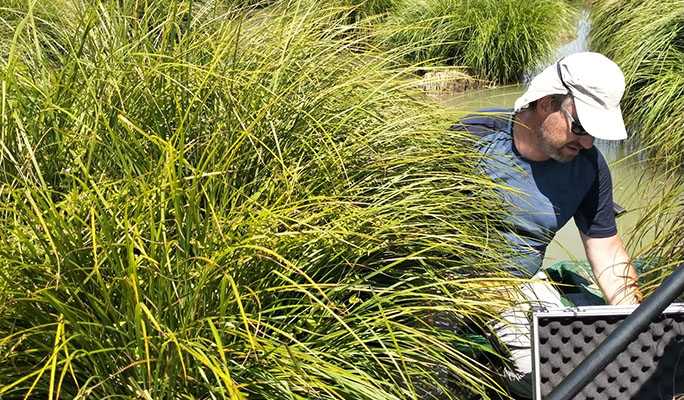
x=251 y=199
x=646 y=39
x=495 y=40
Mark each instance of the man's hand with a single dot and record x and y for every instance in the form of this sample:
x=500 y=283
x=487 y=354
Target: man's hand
x=613 y=269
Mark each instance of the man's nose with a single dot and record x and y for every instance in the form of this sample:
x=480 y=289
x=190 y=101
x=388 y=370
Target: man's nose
x=587 y=141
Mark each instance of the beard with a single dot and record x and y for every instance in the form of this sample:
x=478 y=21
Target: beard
x=554 y=148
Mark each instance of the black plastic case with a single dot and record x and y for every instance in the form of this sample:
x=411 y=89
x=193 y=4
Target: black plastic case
x=652 y=367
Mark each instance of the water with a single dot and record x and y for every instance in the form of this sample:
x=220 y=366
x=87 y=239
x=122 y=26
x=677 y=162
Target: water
x=580 y=43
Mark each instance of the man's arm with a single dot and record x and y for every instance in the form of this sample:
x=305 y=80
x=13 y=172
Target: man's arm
x=613 y=269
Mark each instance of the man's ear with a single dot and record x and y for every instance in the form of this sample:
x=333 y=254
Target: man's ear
x=545 y=106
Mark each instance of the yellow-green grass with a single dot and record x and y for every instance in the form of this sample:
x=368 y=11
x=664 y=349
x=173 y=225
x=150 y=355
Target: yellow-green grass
x=496 y=40
x=646 y=39
x=203 y=201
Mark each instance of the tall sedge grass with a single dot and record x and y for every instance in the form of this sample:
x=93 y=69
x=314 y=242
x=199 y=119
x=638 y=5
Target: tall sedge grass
x=203 y=201
x=368 y=10
x=495 y=40
x=662 y=221
x=646 y=39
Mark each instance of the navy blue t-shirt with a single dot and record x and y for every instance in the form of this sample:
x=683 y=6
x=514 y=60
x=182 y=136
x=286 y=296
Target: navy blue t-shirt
x=543 y=195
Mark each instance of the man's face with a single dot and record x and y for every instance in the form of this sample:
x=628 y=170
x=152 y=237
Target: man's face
x=556 y=138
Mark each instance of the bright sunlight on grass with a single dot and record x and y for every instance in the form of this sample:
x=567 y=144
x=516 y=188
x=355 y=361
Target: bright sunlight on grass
x=207 y=201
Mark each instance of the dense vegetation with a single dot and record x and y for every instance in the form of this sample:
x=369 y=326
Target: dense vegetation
x=198 y=204
x=247 y=198
x=646 y=38
x=492 y=40
x=496 y=40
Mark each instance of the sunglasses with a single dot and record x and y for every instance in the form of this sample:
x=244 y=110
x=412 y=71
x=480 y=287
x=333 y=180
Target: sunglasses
x=575 y=126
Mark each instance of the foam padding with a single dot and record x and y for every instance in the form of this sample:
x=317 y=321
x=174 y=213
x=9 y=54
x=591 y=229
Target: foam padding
x=652 y=367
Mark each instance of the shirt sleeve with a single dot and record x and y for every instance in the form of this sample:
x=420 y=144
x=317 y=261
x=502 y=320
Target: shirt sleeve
x=595 y=216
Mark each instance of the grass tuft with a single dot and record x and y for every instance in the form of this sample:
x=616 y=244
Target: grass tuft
x=645 y=39
x=496 y=40
x=199 y=204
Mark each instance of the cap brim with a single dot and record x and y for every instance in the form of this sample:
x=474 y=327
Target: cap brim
x=601 y=123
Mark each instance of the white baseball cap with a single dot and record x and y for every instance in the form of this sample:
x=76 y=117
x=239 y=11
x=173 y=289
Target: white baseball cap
x=596 y=84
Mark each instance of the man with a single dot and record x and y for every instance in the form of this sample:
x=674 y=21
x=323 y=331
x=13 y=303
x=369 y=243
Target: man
x=544 y=153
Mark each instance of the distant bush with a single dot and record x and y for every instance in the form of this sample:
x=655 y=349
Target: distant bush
x=368 y=8
x=496 y=39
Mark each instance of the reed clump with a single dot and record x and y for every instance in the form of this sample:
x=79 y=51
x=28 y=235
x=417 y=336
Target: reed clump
x=495 y=40
x=197 y=203
x=659 y=230
x=368 y=10
x=646 y=39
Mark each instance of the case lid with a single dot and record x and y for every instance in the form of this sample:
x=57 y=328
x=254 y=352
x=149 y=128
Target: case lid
x=652 y=367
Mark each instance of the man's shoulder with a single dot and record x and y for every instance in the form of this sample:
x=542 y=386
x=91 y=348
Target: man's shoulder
x=484 y=122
